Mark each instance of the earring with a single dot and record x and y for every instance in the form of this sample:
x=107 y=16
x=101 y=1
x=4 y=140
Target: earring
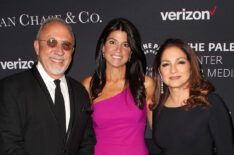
x=102 y=53
x=161 y=87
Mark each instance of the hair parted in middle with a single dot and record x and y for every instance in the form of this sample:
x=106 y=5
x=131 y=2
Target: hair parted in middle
x=135 y=68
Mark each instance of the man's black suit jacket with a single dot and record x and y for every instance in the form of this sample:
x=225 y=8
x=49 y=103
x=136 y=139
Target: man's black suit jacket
x=28 y=125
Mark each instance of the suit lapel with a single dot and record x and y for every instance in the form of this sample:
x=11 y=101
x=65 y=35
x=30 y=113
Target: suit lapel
x=41 y=83
x=72 y=108
x=50 y=103
x=76 y=110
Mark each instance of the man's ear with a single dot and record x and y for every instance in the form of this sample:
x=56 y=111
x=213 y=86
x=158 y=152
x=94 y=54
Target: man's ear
x=36 y=46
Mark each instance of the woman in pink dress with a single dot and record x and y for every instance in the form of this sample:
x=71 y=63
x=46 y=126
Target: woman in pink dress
x=120 y=91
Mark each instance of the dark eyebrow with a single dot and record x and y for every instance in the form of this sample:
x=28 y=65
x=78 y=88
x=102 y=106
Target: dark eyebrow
x=117 y=40
x=111 y=38
x=176 y=59
x=181 y=58
x=165 y=61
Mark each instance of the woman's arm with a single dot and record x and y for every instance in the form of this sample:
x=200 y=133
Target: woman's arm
x=220 y=126
x=86 y=84
x=149 y=86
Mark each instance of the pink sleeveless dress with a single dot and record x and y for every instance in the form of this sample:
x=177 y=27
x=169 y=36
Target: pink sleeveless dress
x=119 y=126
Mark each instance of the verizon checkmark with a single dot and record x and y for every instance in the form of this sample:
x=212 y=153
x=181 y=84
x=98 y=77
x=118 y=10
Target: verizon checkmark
x=212 y=12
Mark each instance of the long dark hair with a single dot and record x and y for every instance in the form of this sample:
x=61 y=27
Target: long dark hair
x=198 y=87
x=135 y=68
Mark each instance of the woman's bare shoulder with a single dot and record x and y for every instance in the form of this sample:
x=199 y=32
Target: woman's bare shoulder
x=86 y=82
x=149 y=82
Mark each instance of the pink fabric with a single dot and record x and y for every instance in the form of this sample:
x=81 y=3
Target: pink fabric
x=119 y=126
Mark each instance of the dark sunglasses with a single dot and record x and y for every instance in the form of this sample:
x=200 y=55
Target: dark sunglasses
x=52 y=42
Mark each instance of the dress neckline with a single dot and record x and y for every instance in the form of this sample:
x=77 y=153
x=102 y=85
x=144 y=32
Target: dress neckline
x=173 y=108
x=112 y=97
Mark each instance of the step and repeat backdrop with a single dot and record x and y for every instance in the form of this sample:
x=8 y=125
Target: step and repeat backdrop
x=208 y=26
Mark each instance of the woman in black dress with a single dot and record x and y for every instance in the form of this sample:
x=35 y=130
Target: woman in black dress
x=188 y=118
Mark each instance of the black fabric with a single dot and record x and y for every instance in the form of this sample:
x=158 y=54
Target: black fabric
x=198 y=131
x=59 y=107
x=28 y=124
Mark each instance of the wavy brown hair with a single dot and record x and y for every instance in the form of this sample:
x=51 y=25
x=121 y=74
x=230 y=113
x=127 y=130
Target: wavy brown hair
x=199 y=88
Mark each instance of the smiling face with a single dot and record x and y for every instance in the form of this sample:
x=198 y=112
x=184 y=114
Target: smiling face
x=54 y=59
x=175 y=68
x=116 y=49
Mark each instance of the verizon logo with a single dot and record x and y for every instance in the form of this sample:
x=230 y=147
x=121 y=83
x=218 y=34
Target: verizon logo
x=187 y=15
x=18 y=64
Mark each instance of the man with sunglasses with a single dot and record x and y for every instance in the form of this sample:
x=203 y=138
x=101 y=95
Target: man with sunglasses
x=42 y=111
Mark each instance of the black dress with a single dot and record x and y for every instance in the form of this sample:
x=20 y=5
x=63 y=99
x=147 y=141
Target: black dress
x=198 y=131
